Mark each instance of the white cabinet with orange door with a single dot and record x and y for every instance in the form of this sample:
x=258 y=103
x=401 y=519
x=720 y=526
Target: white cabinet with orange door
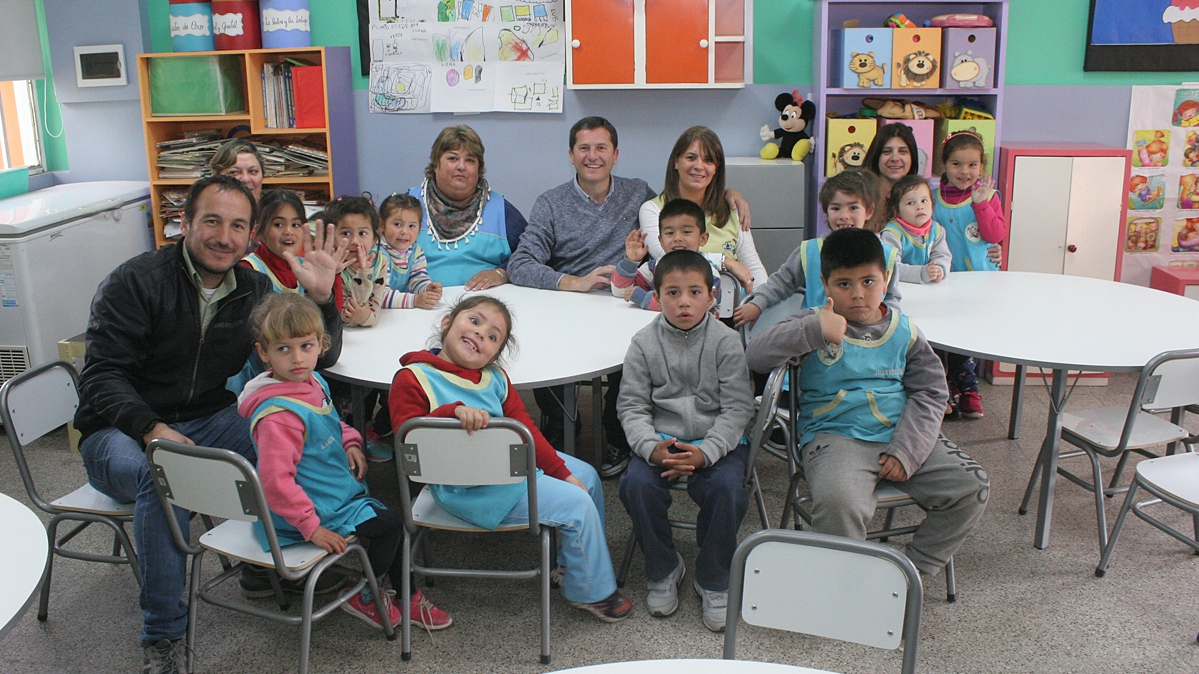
x=647 y=44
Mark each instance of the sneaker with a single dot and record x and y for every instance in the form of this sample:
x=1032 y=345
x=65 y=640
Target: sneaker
x=557 y=576
x=366 y=611
x=256 y=584
x=663 y=597
x=970 y=403
x=377 y=449
x=164 y=657
x=615 y=461
x=426 y=615
x=611 y=610
x=951 y=405
x=715 y=607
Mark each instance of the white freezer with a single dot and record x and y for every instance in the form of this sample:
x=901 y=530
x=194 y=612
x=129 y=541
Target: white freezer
x=56 y=246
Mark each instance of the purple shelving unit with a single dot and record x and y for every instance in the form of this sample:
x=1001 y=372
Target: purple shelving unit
x=831 y=14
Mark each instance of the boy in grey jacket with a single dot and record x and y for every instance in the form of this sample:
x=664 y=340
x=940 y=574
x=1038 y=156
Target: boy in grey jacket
x=685 y=403
x=871 y=396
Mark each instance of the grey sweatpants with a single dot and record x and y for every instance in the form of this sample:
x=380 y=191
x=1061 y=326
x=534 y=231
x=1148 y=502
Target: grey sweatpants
x=951 y=487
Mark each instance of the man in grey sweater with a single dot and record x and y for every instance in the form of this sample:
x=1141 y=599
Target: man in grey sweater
x=871 y=398
x=685 y=404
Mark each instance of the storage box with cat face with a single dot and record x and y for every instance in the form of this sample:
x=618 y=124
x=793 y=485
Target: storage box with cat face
x=922 y=129
x=916 y=58
x=968 y=58
x=848 y=140
x=860 y=58
x=985 y=128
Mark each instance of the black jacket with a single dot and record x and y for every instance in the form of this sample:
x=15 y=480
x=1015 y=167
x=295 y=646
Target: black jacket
x=147 y=359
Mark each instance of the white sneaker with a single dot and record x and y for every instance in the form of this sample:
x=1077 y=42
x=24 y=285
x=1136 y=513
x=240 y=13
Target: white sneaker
x=663 y=597
x=715 y=607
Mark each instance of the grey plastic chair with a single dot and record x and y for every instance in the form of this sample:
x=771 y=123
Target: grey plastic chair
x=32 y=404
x=1169 y=381
x=827 y=586
x=434 y=450
x=1173 y=480
x=730 y=295
x=888 y=497
x=759 y=433
x=221 y=483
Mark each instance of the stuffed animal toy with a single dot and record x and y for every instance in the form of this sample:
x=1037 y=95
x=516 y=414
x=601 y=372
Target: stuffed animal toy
x=795 y=115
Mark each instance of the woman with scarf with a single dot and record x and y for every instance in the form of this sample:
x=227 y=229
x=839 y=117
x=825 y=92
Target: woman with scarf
x=468 y=230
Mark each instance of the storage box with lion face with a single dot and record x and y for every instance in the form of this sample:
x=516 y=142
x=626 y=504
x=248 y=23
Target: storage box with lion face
x=848 y=140
x=916 y=58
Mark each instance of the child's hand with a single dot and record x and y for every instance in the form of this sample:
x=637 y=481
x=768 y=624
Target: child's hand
x=353 y=313
x=746 y=313
x=628 y=294
x=576 y=482
x=357 y=461
x=741 y=272
x=983 y=190
x=892 y=469
x=634 y=246
x=995 y=254
x=832 y=324
x=328 y=540
x=681 y=462
x=429 y=298
x=935 y=273
x=472 y=418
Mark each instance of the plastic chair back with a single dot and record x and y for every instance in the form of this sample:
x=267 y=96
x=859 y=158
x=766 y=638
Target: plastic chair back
x=773 y=314
x=439 y=451
x=205 y=480
x=34 y=403
x=730 y=295
x=826 y=586
x=1171 y=380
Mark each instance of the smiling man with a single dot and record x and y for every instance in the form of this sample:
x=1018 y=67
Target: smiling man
x=167 y=329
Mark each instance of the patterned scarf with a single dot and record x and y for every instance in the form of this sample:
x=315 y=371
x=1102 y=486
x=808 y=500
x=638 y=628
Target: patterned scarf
x=450 y=221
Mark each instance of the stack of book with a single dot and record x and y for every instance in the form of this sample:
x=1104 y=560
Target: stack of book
x=293 y=95
x=187 y=159
x=171 y=207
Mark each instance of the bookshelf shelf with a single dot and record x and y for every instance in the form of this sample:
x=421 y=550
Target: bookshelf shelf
x=336 y=138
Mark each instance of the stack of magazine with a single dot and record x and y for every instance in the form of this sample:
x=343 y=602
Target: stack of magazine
x=187 y=158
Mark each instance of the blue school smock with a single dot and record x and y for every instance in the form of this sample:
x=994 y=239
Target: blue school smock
x=961 y=233
x=913 y=252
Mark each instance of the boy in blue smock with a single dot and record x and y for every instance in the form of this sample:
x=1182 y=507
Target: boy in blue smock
x=872 y=394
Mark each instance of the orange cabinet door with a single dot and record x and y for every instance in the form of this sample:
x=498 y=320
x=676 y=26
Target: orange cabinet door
x=602 y=41
x=676 y=41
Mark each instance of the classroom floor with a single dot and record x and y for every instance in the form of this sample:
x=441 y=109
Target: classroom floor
x=1019 y=609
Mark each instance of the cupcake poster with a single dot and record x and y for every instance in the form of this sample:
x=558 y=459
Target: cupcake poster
x=1162 y=226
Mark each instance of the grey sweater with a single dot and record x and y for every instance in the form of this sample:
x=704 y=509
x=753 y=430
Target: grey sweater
x=938 y=255
x=924 y=379
x=790 y=280
x=569 y=233
x=690 y=385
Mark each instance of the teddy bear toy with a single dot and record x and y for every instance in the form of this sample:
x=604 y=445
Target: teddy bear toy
x=795 y=115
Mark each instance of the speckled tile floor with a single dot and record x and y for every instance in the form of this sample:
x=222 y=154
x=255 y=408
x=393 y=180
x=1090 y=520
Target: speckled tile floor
x=1019 y=609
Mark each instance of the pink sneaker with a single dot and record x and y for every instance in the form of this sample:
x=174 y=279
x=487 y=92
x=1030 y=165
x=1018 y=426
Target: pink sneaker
x=426 y=615
x=970 y=404
x=368 y=613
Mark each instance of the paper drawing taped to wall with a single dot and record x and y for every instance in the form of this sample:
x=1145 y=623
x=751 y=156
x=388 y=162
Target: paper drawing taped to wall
x=400 y=87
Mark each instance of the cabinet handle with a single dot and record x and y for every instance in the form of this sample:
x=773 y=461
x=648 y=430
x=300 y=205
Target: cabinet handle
x=703 y=44
x=575 y=43
x=1072 y=248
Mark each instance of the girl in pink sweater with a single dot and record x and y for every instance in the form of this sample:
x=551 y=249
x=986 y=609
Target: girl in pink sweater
x=310 y=463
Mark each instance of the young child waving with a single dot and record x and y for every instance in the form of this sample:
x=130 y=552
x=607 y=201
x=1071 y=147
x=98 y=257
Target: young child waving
x=461 y=380
x=311 y=463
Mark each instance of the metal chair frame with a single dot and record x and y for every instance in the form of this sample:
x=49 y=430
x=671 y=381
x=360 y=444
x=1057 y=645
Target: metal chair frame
x=248 y=506
x=522 y=460
x=810 y=584
x=60 y=411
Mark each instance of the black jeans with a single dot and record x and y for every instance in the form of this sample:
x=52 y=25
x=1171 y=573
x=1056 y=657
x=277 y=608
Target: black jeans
x=381 y=536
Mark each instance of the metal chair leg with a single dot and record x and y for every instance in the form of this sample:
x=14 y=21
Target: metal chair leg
x=44 y=601
x=627 y=561
x=1031 y=488
x=545 y=596
x=1100 y=517
x=887 y=523
x=406 y=598
x=761 y=501
x=951 y=585
x=1106 y=555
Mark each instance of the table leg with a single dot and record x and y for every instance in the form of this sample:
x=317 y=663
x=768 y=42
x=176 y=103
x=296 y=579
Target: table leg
x=1013 y=424
x=1048 y=458
x=358 y=407
x=569 y=414
x=597 y=414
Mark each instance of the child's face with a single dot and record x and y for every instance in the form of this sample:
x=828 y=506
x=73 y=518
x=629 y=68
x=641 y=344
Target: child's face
x=474 y=338
x=847 y=210
x=401 y=227
x=857 y=292
x=291 y=359
x=285 y=232
x=685 y=297
x=682 y=232
x=916 y=206
x=355 y=230
x=963 y=167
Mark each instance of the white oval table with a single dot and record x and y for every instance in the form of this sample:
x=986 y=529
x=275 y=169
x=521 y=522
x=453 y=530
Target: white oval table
x=692 y=667
x=1056 y=322
x=561 y=337
x=23 y=557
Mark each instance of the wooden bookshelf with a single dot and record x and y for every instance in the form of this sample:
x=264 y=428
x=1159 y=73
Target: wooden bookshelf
x=336 y=137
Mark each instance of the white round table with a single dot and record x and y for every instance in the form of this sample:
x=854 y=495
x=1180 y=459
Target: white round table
x=561 y=338
x=1052 y=321
x=22 y=559
x=692 y=667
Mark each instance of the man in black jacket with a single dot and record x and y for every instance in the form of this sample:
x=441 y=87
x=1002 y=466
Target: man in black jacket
x=167 y=329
